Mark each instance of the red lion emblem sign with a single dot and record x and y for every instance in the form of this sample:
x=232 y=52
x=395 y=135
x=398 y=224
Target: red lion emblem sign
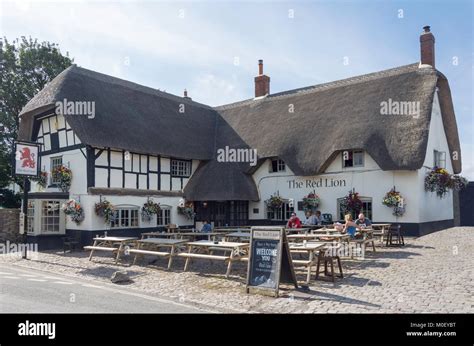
x=26 y=159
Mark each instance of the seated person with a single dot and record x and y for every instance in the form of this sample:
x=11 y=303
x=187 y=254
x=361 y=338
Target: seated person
x=310 y=219
x=350 y=226
x=363 y=221
x=206 y=227
x=319 y=217
x=293 y=222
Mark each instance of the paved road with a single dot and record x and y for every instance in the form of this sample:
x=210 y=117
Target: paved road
x=31 y=291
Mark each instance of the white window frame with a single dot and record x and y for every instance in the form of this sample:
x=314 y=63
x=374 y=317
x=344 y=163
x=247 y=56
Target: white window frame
x=35 y=217
x=53 y=165
x=280 y=166
x=125 y=215
x=439 y=159
x=280 y=214
x=353 y=153
x=180 y=168
x=368 y=214
x=165 y=216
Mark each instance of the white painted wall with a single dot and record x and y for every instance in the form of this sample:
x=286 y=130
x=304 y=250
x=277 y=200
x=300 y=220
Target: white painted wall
x=369 y=181
x=433 y=208
x=94 y=222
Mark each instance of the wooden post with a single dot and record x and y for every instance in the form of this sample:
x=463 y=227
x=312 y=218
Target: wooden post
x=26 y=188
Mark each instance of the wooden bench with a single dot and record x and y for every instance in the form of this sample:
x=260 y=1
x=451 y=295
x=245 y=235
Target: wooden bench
x=138 y=252
x=189 y=256
x=198 y=255
x=101 y=248
x=364 y=243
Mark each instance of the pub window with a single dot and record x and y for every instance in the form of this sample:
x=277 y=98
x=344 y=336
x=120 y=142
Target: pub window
x=353 y=158
x=31 y=217
x=180 y=168
x=50 y=217
x=277 y=165
x=163 y=217
x=366 y=208
x=281 y=214
x=125 y=218
x=440 y=159
x=55 y=162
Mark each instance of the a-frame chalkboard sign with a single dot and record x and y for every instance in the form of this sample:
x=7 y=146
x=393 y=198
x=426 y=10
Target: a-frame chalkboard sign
x=269 y=260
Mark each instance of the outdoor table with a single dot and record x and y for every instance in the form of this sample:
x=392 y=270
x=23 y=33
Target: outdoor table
x=143 y=248
x=239 y=235
x=381 y=230
x=156 y=235
x=311 y=249
x=107 y=244
x=325 y=231
x=303 y=237
x=237 y=250
x=194 y=235
x=297 y=230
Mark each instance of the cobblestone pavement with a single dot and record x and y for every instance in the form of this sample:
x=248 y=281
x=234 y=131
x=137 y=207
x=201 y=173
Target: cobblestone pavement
x=431 y=274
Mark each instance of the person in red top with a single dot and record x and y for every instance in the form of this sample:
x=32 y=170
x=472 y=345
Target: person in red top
x=293 y=222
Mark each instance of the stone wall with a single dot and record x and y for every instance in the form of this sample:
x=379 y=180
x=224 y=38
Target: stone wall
x=10 y=225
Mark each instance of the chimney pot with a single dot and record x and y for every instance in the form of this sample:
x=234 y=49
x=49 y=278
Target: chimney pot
x=262 y=82
x=426 y=28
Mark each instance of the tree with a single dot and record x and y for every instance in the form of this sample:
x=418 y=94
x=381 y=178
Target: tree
x=25 y=67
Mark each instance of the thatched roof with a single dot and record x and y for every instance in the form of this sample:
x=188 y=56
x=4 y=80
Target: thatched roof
x=341 y=115
x=327 y=119
x=128 y=116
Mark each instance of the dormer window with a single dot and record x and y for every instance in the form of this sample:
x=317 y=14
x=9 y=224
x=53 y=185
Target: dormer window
x=277 y=165
x=353 y=158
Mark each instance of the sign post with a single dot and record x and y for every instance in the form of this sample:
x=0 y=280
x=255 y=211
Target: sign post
x=26 y=164
x=269 y=260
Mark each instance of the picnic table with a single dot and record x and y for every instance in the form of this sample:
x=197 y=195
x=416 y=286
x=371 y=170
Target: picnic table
x=194 y=235
x=309 y=248
x=237 y=251
x=381 y=230
x=157 y=235
x=144 y=247
x=297 y=230
x=239 y=235
x=302 y=237
x=109 y=244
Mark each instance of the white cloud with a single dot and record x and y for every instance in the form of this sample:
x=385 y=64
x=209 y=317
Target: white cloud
x=212 y=90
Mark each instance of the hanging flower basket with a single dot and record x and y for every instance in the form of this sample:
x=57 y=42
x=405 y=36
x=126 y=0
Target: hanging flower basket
x=393 y=199
x=351 y=203
x=149 y=209
x=311 y=201
x=42 y=180
x=63 y=175
x=187 y=210
x=74 y=210
x=440 y=181
x=274 y=202
x=106 y=210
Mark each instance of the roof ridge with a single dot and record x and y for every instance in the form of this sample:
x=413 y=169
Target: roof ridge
x=328 y=85
x=132 y=85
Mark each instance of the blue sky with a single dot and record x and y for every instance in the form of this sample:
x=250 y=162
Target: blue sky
x=195 y=45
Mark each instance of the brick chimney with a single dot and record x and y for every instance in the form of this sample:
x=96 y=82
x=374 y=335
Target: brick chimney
x=186 y=95
x=427 y=42
x=262 y=82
